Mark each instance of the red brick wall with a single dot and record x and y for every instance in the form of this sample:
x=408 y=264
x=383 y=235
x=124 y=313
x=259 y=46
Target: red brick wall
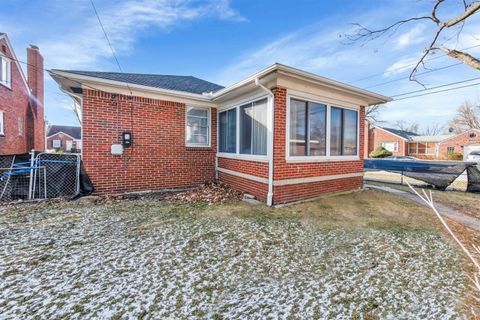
x=64 y=138
x=254 y=168
x=284 y=170
x=377 y=136
x=458 y=142
x=14 y=104
x=35 y=82
x=158 y=158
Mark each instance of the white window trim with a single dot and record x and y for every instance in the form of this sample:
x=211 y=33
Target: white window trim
x=199 y=145
x=2 y=123
x=7 y=83
x=327 y=157
x=395 y=145
x=237 y=154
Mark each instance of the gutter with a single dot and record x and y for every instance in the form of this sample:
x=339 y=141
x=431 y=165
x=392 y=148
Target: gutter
x=270 y=140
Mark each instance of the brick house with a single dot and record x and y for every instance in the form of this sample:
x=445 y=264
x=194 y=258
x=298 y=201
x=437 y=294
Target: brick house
x=64 y=138
x=22 y=123
x=281 y=135
x=404 y=143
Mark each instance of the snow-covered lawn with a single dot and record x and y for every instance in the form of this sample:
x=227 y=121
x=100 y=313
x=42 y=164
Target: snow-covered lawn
x=155 y=260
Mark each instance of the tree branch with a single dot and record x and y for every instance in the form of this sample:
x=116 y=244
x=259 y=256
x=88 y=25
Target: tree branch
x=462 y=56
x=471 y=10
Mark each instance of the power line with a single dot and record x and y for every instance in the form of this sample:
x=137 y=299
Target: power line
x=436 y=87
x=439 y=91
x=408 y=65
x=419 y=74
x=109 y=43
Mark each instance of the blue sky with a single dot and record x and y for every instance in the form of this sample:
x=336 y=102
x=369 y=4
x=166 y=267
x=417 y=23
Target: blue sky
x=224 y=41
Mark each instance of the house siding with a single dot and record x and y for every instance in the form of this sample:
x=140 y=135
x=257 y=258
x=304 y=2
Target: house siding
x=284 y=170
x=458 y=142
x=378 y=136
x=63 y=138
x=158 y=158
x=17 y=107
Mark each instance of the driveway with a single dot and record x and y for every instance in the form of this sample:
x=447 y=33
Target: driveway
x=342 y=257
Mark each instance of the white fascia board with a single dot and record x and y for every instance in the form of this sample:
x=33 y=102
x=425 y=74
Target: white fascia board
x=376 y=98
x=52 y=135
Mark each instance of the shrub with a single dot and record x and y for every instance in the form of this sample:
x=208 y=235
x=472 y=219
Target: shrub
x=455 y=156
x=380 y=152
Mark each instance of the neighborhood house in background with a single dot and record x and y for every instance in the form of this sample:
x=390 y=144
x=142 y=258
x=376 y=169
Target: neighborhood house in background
x=64 y=138
x=439 y=147
x=280 y=135
x=22 y=123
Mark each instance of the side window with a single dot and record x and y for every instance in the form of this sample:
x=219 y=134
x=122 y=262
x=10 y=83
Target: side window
x=20 y=126
x=198 y=127
x=5 y=71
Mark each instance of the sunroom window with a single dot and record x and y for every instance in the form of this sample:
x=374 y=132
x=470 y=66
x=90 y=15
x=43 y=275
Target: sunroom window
x=253 y=130
x=243 y=129
x=308 y=130
x=308 y=126
x=227 y=134
x=343 y=132
x=198 y=127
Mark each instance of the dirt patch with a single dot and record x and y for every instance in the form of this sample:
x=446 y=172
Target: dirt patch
x=209 y=193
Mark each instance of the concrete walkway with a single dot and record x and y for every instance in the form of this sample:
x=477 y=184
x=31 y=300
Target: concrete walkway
x=445 y=211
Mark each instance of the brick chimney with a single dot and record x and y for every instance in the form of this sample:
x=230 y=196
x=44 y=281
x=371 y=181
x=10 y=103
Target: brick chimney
x=35 y=83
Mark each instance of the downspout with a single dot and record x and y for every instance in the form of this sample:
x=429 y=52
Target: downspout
x=270 y=141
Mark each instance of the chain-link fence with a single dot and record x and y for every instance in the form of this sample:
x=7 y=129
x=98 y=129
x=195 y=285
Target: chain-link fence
x=46 y=175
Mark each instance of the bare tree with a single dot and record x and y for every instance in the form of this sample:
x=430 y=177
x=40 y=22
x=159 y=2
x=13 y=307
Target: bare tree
x=433 y=129
x=469 y=8
x=405 y=126
x=467 y=117
x=372 y=113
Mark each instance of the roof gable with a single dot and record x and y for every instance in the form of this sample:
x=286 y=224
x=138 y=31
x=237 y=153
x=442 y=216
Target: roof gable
x=14 y=58
x=169 y=82
x=72 y=131
x=407 y=135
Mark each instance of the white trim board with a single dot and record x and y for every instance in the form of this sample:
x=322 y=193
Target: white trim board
x=286 y=182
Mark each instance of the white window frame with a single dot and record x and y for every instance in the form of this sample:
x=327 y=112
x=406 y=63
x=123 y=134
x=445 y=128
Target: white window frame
x=327 y=156
x=237 y=154
x=59 y=143
x=395 y=146
x=2 y=123
x=8 y=81
x=209 y=134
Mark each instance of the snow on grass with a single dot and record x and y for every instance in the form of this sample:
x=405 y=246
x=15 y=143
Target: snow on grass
x=147 y=259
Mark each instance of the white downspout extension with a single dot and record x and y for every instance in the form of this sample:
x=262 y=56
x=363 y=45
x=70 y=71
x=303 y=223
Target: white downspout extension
x=270 y=141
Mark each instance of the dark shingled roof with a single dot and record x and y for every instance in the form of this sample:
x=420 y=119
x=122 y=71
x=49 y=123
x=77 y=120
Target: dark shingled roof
x=401 y=133
x=169 y=82
x=75 y=132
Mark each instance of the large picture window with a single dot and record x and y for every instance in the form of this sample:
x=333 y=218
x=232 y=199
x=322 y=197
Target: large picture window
x=308 y=130
x=227 y=133
x=245 y=125
x=198 y=127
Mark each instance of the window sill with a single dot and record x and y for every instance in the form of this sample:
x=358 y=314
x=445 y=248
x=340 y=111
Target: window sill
x=196 y=146
x=321 y=159
x=242 y=157
x=9 y=87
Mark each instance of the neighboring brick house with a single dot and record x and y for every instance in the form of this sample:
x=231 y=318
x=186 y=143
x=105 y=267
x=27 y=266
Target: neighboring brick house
x=393 y=140
x=22 y=123
x=404 y=143
x=281 y=135
x=64 y=138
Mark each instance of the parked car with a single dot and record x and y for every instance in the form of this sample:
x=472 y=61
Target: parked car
x=404 y=158
x=473 y=156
